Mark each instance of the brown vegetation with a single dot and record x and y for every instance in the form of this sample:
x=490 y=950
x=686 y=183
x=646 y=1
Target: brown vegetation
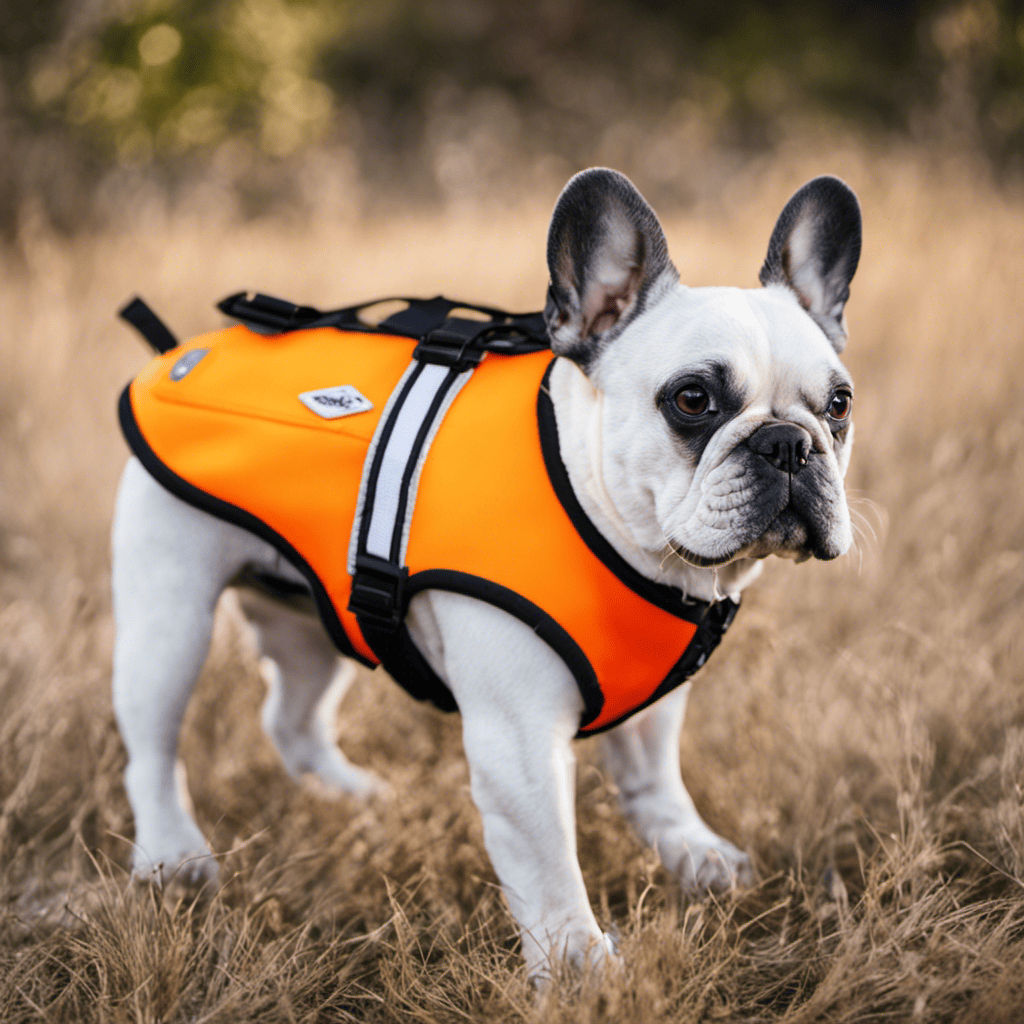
x=861 y=731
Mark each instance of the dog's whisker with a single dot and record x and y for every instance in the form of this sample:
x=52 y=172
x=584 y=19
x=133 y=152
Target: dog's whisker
x=868 y=520
x=669 y=550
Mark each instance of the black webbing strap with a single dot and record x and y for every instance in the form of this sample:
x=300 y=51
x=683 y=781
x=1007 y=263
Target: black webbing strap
x=712 y=628
x=149 y=325
x=378 y=597
x=510 y=333
x=713 y=621
x=402 y=661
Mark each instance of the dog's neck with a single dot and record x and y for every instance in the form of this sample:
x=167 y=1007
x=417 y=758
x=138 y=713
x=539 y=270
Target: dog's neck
x=578 y=413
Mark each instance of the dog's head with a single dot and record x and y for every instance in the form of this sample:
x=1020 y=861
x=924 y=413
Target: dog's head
x=726 y=412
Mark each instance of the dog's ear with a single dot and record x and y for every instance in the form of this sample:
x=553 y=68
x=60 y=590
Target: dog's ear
x=814 y=250
x=607 y=258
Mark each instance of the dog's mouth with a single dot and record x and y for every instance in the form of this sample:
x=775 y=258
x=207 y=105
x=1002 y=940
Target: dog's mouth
x=788 y=536
x=700 y=561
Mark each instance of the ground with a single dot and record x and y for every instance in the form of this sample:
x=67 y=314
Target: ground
x=860 y=732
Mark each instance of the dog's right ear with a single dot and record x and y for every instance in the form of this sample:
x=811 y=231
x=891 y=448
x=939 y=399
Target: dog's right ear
x=814 y=251
x=606 y=255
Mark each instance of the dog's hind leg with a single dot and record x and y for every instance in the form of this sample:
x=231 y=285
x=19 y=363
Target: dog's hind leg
x=170 y=564
x=642 y=755
x=306 y=681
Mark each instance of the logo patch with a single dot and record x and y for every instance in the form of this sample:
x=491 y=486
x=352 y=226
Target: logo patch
x=183 y=367
x=333 y=403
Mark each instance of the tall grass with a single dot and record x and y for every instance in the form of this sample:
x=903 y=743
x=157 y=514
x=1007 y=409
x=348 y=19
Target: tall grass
x=861 y=731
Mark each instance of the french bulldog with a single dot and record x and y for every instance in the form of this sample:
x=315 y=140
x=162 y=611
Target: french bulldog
x=702 y=430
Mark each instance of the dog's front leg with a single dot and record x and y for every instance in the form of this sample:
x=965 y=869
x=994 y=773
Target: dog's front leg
x=524 y=788
x=642 y=756
x=520 y=709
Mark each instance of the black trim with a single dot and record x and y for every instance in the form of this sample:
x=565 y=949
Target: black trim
x=701 y=646
x=527 y=612
x=149 y=325
x=661 y=595
x=192 y=495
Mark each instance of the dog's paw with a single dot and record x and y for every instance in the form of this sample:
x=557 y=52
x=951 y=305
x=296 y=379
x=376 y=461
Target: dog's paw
x=323 y=768
x=600 y=953
x=582 y=951
x=339 y=780
x=189 y=871
x=704 y=862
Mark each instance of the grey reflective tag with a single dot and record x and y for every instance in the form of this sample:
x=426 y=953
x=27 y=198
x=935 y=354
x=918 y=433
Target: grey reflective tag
x=185 y=364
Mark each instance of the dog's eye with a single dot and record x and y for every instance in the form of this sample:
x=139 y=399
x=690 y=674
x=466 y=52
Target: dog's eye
x=841 y=404
x=692 y=401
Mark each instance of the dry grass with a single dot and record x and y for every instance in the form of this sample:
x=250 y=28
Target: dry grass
x=861 y=732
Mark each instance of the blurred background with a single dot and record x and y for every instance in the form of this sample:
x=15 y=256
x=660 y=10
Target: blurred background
x=253 y=106
x=861 y=732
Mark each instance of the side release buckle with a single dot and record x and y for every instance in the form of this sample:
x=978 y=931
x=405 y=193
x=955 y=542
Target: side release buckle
x=453 y=344
x=378 y=593
x=265 y=313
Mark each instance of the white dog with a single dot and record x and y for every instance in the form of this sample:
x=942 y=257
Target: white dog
x=701 y=430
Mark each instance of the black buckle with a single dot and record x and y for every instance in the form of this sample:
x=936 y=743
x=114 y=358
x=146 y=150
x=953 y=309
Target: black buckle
x=452 y=344
x=721 y=614
x=378 y=593
x=277 y=315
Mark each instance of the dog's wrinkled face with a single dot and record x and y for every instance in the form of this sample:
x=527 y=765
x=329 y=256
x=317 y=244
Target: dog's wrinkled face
x=726 y=413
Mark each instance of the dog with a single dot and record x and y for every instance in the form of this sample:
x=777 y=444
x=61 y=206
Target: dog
x=701 y=430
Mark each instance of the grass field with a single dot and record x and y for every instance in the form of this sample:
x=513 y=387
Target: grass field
x=861 y=731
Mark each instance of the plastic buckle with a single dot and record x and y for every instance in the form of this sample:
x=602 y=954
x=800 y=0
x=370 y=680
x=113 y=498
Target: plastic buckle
x=722 y=615
x=452 y=344
x=265 y=311
x=378 y=593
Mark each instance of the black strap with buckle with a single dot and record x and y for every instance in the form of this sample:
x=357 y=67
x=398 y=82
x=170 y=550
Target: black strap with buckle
x=449 y=348
x=423 y=319
x=378 y=598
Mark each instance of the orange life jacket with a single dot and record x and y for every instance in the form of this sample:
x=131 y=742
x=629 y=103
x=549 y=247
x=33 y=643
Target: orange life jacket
x=219 y=422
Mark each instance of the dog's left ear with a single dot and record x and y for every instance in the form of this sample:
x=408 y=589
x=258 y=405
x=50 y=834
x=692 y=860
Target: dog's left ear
x=814 y=250
x=607 y=257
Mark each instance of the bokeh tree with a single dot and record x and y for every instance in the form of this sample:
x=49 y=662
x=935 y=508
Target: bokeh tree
x=438 y=97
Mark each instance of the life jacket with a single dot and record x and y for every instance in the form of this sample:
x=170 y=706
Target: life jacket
x=382 y=465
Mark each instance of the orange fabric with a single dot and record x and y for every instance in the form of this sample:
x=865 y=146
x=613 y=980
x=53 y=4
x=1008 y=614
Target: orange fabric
x=234 y=428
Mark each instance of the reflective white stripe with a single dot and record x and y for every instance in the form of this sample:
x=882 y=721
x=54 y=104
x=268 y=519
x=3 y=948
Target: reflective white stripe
x=414 y=483
x=399 y=447
x=362 y=509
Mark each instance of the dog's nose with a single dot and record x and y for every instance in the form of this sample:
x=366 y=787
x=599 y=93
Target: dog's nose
x=785 y=445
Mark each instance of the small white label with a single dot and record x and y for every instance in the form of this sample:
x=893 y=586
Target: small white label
x=333 y=403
